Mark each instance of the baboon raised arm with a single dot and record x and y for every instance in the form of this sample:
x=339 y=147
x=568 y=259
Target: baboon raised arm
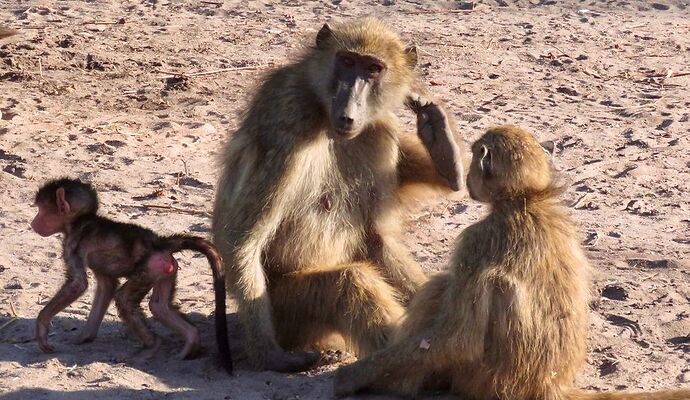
x=306 y=212
x=508 y=320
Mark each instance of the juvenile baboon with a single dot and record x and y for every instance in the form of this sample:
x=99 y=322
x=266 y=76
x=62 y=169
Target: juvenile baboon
x=508 y=321
x=306 y=213
x=115 y=250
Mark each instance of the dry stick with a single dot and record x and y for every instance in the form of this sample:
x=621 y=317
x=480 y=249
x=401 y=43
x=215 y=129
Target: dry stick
x=498 y=96
x=120 y=21
x=444 y=44
x=677 y=74
x=217 y=71
x=562 y=52
x=177 y=209
x=444 y=11
x=578 y=201
x=8 y=323
x=40 y=68
x=14 y=312
x=216 y=3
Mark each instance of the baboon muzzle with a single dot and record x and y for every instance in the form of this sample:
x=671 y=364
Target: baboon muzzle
x=349 y=106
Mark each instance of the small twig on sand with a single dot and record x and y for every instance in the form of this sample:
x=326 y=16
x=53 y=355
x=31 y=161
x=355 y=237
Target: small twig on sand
x=636 y=26
x=216 y=71
x=443 y=11
x=590 y=73
x=14 y=312
x=578 y=201
x=40 y=68
x=491 y=100
x=120 y=21
x=444 y=44
x=215 y=3
x=8 y=323
x=184 y=162
x=176 y=209
x=562 y=52
x=676 y=74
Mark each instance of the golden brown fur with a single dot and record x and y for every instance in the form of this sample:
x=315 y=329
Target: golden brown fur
x=508 y=320
x=309 y=225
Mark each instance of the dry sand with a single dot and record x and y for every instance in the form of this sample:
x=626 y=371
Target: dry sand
x=82 y=96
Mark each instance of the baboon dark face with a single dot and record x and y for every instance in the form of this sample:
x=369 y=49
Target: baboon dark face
x=356 y=78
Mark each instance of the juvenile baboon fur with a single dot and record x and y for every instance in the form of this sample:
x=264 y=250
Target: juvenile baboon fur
x=307 y=206
x=508 y=320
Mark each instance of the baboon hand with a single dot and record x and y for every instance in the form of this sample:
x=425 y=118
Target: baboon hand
x=284 y=361
x=434 y=130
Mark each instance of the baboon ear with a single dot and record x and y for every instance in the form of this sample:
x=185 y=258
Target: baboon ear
x=62 y=204
x=549 y=147
x=411 y=56
x=322 y=37
x=485 y=161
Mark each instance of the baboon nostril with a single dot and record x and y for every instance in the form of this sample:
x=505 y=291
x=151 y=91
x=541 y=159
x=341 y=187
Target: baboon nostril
x=346 y=121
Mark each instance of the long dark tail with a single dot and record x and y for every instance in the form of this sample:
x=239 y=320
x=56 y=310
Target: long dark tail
x=677 y=394
x=187 y=242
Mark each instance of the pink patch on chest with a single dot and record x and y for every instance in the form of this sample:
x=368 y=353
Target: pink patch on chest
x=326 y=202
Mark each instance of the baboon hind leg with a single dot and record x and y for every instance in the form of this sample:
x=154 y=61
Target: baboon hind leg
x=353 y=300
x=128 y=302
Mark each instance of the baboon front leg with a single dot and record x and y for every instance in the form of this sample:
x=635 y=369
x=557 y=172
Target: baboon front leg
x=398 y=266
x=72 y=289
x=105 y=289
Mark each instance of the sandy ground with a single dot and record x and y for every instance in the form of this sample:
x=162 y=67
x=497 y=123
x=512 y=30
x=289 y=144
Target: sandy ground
x=83 y=98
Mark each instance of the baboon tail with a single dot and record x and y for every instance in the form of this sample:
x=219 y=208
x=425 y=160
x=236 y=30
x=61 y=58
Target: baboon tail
x=186 y=242
x=678 y=394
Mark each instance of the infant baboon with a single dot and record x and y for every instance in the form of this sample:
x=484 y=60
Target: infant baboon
x=508 y=321
x=114 y=250
x=306 y=212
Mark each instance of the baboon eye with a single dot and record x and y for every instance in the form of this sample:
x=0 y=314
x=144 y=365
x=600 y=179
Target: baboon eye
x=375 y=69
x=347 y=61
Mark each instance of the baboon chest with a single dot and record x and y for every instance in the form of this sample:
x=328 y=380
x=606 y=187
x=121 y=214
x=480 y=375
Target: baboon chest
x=337 y=199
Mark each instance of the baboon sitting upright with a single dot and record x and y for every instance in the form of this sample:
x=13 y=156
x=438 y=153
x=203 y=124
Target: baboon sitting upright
x=509 y=320
x=306 y=212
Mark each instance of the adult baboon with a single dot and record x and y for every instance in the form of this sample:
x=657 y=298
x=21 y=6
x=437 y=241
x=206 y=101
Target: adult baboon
x=508 y=321
x=306 y=213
